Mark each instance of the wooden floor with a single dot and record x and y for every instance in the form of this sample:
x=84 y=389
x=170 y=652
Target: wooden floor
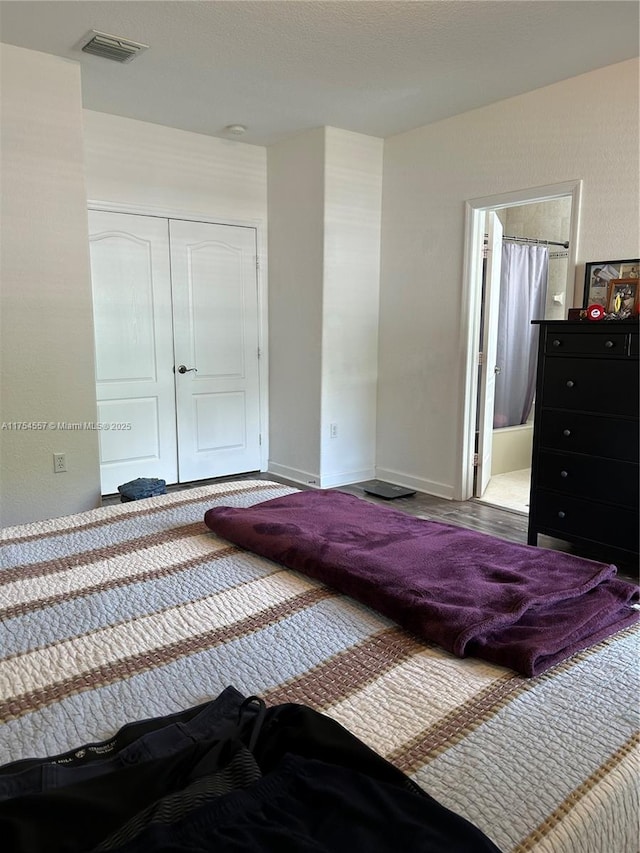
x=476 y=515
x=471 y=514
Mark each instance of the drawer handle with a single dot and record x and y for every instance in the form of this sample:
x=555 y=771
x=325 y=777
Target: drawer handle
x=566 y=432
x=557 y=343
x=561 y=514
x=570 y=383
x=564 y=474
x=609 y=344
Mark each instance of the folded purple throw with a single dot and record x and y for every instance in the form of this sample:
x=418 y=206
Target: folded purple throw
x=520 y=606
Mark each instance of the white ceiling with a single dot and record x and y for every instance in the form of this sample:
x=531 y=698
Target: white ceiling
x=280 y=68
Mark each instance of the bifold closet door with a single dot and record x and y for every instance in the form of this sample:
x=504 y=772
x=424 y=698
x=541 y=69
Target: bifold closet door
x=131 y=283
x=176 y=329
x=215 y=299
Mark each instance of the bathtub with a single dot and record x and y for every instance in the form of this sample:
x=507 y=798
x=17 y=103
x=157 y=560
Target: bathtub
x=511 y=448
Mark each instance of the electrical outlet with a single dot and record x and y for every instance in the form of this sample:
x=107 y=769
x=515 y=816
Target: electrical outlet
x=59 y=463
x=333 y=430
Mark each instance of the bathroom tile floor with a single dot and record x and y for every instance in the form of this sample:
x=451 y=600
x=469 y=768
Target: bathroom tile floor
x=509 y=491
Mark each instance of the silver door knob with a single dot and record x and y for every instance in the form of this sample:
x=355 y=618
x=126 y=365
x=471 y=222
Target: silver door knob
x=184 y=369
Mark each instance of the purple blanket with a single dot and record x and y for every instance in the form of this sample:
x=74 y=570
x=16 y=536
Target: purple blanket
x=520 y=606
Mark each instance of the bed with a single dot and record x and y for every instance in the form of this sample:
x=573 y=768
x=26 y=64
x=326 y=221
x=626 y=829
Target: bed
x=138 y=610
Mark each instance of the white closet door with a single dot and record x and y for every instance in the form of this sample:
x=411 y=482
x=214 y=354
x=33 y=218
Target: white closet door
x=215 y=298
x=134 y=347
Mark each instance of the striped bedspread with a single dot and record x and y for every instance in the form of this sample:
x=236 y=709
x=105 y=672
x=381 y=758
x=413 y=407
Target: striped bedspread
x=137 y=610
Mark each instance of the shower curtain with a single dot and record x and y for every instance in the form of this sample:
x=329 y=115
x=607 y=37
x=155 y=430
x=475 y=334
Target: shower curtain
x=523 y=292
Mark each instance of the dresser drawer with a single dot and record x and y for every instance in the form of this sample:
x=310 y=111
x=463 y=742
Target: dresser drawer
x=606 y=480
x=607 y=386
x=563 y=516
x=595 y=435
x=614 y=344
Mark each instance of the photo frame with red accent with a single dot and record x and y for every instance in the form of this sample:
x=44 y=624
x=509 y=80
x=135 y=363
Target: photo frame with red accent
x=598 y=275
x=622 y=297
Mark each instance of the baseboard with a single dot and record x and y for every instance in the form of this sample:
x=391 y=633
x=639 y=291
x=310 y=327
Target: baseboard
x=318 y=481
x=305 y=478
x=346 y=478
x=439 y=490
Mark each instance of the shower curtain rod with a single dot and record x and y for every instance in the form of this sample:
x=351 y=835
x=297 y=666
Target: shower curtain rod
x=536 y=240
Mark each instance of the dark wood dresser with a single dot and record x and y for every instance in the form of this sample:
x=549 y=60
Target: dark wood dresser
x=584 y=474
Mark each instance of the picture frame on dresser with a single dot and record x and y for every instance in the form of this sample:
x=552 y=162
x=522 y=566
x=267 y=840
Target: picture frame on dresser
x=622 y=297
x=598 y=275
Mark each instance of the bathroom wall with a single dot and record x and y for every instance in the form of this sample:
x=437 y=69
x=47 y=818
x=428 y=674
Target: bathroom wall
x=546 y=220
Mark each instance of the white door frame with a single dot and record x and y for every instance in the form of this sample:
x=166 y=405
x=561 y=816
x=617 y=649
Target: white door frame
x=471 y=303
x=488 y=344
x=262 y=282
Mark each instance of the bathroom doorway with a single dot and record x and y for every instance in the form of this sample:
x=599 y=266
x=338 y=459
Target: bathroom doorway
x=497 y=453
x=541 y=227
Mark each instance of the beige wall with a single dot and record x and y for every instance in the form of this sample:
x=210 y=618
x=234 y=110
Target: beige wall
x=296 y=269
x=324 y=249
x=351 y=297
x=160 y=168
x=46 y=344
x=555 y=134
x=584 y=128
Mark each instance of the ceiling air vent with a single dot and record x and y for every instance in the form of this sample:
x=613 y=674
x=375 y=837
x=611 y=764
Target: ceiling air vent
x=113 y=47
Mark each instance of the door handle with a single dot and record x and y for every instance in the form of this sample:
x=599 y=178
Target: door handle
x=183 y=369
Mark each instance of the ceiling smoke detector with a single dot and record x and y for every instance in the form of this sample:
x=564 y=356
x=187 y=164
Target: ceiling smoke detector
x=113 y=47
